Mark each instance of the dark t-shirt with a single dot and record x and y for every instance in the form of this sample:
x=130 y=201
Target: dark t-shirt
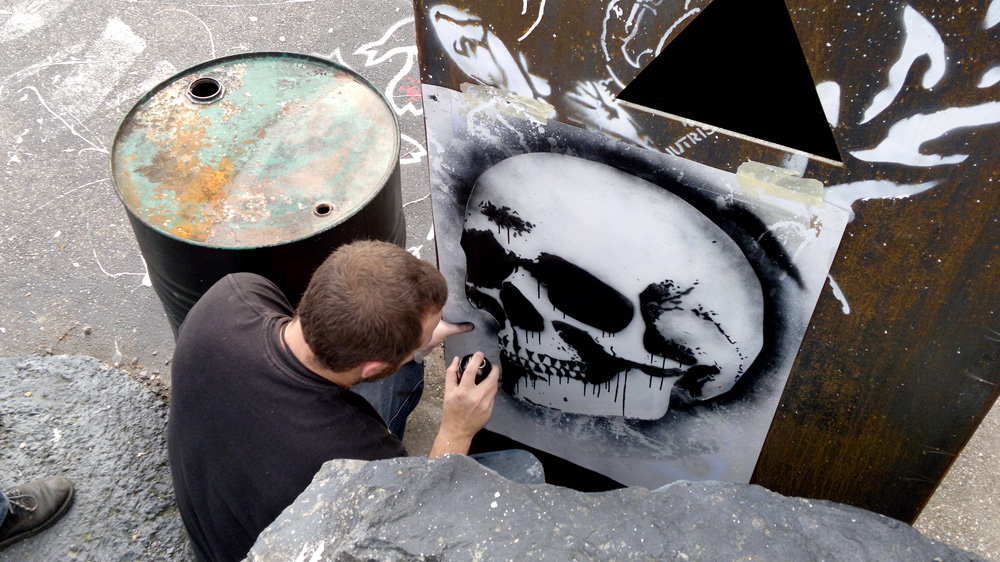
x=249 y=424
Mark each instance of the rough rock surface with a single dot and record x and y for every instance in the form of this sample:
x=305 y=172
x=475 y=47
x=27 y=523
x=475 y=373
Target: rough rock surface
x=77 y=417
x=452 y=509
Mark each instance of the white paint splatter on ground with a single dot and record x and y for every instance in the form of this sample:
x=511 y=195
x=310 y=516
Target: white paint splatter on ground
x=161 y=71
x=145 y=275
x=415 y=154
x=211 y=39
x=95 y=145
x=51 y=201
x=113 y=53
x=405 y=205
x=29 y=15
x=374 y=56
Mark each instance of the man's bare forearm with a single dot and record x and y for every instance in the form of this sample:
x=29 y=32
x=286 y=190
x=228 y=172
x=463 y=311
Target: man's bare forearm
x=448 y=442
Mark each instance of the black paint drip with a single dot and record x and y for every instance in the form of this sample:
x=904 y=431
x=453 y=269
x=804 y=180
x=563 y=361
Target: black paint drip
x=504 y=217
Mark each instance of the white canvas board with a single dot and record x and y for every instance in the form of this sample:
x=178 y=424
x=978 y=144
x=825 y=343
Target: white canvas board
x=645 y=309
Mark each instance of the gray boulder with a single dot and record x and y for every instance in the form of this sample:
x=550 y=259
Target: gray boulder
x=91 y=423
x=453 y=509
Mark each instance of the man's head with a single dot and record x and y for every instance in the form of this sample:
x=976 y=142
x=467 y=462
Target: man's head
x=370 y=301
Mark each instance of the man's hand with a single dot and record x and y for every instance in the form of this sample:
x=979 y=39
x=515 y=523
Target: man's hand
x=443 y=331
x=467 y=407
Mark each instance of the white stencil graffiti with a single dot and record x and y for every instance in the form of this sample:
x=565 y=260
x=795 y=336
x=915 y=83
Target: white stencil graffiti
x=689 y=140
x=829 y=98
x=593 y=106
x=902 y=144
x=990 y=78
x=635 y=49
x=485 y=58
x=992 y=15
x=921 y=39
x=904 y=139
x=845 y=306
x=845 y=195
x=482 y=55
x=541 y=13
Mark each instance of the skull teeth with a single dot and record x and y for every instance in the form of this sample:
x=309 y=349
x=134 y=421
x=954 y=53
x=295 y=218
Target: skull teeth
x=548 y=366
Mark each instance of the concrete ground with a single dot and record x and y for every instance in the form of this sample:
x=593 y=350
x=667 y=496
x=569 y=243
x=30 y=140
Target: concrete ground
x=71 y=276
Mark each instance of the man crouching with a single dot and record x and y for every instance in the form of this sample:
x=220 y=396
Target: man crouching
x=262 y=395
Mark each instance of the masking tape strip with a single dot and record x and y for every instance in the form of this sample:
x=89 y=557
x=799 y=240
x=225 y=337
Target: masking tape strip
x=763 y=180
x=507 y=102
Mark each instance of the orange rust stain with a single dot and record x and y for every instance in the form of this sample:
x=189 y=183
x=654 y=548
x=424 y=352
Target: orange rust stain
x=124 y=183
x=229 y=110
x=198 y=187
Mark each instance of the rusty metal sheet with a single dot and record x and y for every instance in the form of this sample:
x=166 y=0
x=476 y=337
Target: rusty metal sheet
x=279 y=147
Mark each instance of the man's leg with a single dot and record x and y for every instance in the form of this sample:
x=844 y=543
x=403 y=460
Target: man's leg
x=4 y=506
x=394 y=397
x=515 y=465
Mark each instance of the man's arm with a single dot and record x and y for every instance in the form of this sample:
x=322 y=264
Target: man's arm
x=467 y=407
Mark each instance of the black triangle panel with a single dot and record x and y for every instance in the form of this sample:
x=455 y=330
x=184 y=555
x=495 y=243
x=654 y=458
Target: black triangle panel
x=739 y=66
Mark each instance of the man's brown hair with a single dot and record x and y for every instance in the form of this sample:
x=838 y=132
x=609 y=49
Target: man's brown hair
x=367 y=302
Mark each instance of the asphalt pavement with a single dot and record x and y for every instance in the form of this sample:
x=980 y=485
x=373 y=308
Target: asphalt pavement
x=72 y=278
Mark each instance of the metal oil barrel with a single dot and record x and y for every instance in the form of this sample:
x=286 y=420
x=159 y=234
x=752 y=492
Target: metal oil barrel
x=259 y=162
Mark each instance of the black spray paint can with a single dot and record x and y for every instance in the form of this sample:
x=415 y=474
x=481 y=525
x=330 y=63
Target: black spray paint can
x=484 y=368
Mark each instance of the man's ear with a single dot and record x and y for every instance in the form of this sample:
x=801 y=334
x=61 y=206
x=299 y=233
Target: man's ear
x=372 y=368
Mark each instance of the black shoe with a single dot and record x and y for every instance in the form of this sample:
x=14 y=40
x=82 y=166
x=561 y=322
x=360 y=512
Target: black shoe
x=34 y=507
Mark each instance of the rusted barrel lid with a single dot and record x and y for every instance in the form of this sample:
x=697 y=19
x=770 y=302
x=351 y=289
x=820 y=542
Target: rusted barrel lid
x=255 y=150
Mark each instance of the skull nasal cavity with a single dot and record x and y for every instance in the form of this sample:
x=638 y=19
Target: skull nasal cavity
x=519 y=310
x=577 y=293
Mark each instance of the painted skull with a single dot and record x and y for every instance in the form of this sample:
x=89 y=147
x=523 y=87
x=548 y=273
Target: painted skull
x=610 y=293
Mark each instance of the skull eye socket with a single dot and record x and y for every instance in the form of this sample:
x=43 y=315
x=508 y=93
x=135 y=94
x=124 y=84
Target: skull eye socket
x=519 y=310
x=580 y=295
x=488 y=263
